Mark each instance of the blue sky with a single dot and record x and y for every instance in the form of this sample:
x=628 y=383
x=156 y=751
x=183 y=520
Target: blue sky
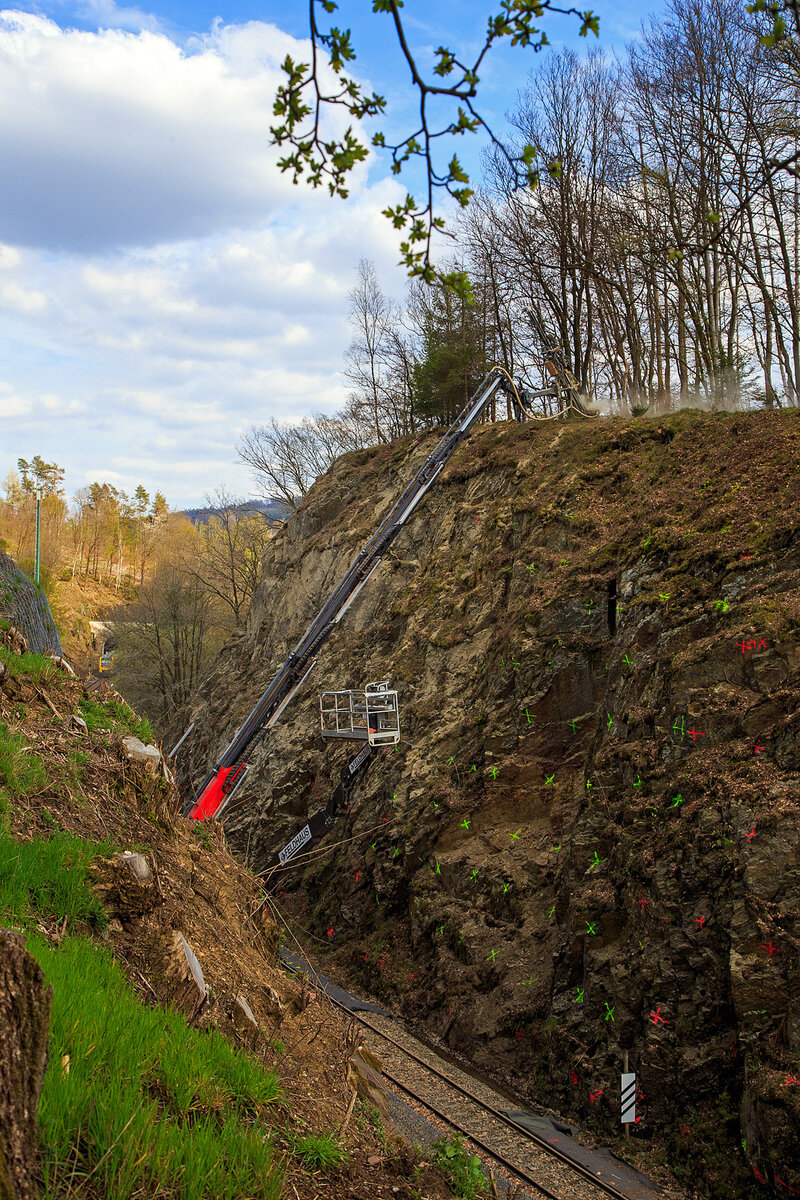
x=162 y=285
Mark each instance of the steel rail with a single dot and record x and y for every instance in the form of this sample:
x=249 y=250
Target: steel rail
x=576 y=1168
x=476 y=1141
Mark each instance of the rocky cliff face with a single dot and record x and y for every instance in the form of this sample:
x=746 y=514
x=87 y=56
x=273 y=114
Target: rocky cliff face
x=27 y=608
x=586 y=844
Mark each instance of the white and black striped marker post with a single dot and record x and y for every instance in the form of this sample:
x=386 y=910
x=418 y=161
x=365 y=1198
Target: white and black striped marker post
x=628 y=1099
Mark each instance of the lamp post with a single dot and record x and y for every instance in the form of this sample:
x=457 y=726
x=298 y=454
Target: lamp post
x=36 y=564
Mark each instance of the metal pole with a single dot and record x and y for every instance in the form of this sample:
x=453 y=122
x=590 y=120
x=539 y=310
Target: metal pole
x=36 y=566
x=627 y=1127
x=178 y=745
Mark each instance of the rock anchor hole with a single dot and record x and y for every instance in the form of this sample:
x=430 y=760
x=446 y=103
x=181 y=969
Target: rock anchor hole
x=612 y=606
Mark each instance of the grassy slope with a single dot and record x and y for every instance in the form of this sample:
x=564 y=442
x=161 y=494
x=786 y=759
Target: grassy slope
x=136 y=1102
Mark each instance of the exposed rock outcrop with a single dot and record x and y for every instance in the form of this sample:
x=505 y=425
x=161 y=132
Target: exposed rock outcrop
x=587 y=843
x=136 y=751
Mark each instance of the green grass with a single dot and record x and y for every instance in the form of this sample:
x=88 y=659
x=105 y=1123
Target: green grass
x=76 y=761
x=21 y=772
x=47 y=877
x=148 y=1105
x=115 y=714
x=373 y=1116
x=320 y=1151
x=145 y=1105
x=38 y=667
x=462 y=1169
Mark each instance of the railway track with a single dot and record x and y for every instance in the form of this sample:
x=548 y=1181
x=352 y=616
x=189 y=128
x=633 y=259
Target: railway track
x=522 y=1156
x=466 y=1106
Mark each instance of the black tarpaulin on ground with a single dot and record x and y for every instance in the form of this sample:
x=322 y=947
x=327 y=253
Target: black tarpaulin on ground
x=351 y=1002
x=601 y=1162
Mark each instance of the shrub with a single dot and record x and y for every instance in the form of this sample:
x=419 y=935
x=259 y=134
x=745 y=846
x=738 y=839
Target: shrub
x=462 y=1168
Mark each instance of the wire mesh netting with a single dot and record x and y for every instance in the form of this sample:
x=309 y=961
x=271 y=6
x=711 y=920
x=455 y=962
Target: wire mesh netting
x=26 y=607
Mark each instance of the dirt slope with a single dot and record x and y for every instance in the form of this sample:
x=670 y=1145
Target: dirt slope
x=55 y=774
x=587 y=842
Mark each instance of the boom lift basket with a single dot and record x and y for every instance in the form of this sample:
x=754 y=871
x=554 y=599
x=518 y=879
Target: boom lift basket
x=371 y=715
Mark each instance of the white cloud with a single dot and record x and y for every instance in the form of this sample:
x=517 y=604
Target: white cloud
x=111 y=138
x=295 y=335
x=12 y=405
x=109 y=15
x=156 y=297
x=20 y=299
x=9 y=257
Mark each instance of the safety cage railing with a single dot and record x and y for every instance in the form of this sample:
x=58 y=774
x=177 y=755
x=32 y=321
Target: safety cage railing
x=371 y=714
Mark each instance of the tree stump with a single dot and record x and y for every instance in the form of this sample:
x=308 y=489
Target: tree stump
x=24 y=1040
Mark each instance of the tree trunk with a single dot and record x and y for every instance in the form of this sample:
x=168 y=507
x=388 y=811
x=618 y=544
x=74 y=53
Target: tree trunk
x=24 y=1039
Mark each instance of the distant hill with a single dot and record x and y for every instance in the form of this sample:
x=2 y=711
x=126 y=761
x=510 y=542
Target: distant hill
x=273 y=509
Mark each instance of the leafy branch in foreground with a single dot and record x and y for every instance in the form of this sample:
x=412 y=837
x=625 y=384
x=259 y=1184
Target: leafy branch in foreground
x=781 y=32
x=302 y=97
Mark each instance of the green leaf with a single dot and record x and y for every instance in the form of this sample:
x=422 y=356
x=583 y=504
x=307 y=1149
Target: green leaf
x=446 y=61
x=457 y=172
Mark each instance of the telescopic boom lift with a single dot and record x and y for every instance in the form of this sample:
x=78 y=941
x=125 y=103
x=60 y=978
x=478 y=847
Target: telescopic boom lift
x=231 y=768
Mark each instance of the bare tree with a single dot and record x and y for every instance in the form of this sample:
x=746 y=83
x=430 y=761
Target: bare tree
x=372 y=317
x=287 y=457
x=167 y=637
x=379 y=362
x=665 y=253
x=230 y=564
